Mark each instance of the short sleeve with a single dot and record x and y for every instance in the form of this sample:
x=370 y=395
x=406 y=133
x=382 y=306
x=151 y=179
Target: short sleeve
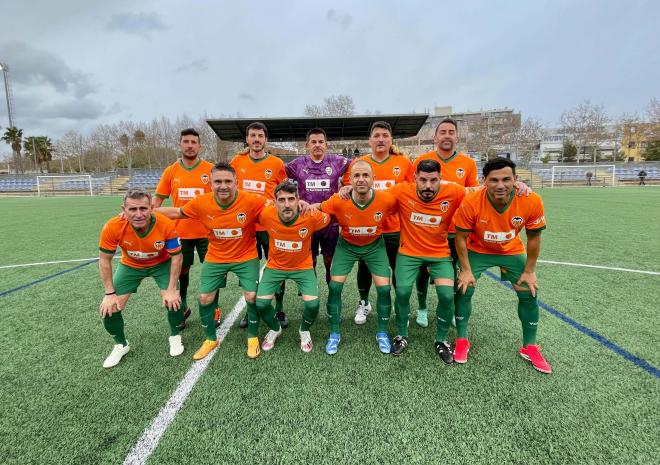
x=108 y=241
x=328 y=206
x=191 y=209
x=321 y=220
x=464 y=217
x=290 y=169
x=346 y=179
x=164 y=188
x=536 y=219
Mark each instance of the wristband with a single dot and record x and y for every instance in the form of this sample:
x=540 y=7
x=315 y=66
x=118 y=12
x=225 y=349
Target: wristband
x=111 y=293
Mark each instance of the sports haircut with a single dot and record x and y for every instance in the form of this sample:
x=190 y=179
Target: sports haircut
x=189 y=132
x=257 y=125
x=381 y=125
x=428 y=166
x=447 y=120
x=137 y=193
x=316 y=131
x=223 y=166
x=497 y=164
x=288 y=185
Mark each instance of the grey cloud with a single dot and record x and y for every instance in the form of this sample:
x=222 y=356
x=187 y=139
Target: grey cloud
x=244 y=96
x=30 y=66
x=195 y=65
x=342 y=20
x=136 y=23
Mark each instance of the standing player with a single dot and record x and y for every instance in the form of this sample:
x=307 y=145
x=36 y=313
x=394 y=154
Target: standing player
x=362 y=218
x=230 y=216
x=149 y=247
x=389 y=168
x=456 y=167
x=318 y=175
x=289 y=257
x=184 y=180
x=259 y=172
x=426 y=208
x=488 y=225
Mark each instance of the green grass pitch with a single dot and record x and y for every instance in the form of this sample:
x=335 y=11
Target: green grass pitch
x=60 y=407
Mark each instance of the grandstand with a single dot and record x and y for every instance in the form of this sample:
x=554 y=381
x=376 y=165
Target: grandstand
x=147 y=179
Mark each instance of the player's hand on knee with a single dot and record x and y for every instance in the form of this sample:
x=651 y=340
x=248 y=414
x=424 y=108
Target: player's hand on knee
x=530 y=280
x=109 y=305
x=345 y=192
x=172 y=299
x=465 y=280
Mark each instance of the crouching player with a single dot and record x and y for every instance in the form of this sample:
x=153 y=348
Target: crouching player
x=488 y=225
x=149 y=247
x=289 y=257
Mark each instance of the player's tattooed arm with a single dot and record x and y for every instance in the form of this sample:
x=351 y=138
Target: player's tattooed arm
x=465 y=277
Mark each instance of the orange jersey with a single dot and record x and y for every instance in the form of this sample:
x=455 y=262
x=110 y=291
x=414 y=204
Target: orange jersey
x=498 y=232
x=231 y=237
x=141 y=250
x=425 y=225
x=361 y=225
x=458 y=168
x=393 y=170
x=184 y=184
x=290 y=244
x=258 y=176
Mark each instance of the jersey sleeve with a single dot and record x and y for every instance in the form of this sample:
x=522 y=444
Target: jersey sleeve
x=172 y=241
x=395 y=190
x=281 y=174
x=191 y=209
x=328 y=206
x=164 y=188
x=536 y=219
x=464 y=217
x=472 y=177
x=291 y=169
x=346 y=178
x=109 y=240
x=321 y=220
x=343 y=165
x=259 y=202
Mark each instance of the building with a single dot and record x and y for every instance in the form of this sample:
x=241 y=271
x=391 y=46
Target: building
x=635 y=138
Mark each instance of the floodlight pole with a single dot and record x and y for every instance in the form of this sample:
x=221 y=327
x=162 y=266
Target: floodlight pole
x=5 y=70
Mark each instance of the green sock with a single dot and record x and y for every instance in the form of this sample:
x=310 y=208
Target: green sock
x=206 y=315
x=174 y=319
x=334 y=305
x=402 y=308
x=253 y=319
x=267 y=313
x=422 y=288
x=279 y=299
x=383 y=308
x=444 y=311
x=463 y=311
x=310 y=312
x=114 y=324
x=363 y=281
x=528 y=312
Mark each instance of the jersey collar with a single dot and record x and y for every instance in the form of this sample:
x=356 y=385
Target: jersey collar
x=442 y=160
x=505 y=207
x=192 y=167
x=258 y=160
x=371 y=155
x=364 y=207
x=225 y=207
x=152 y=223
x=287 y=223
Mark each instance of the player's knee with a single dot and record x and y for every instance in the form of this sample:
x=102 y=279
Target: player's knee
x=206 y=299
x=525 y=296
x=445 y=295
x=335 y=288
x=469 y=292
x=263 y=305
x=403 y=294
x=383 y=292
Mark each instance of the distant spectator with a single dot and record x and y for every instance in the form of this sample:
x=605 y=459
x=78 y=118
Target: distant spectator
x=642 y=175
x=356 y=152
x=589 y=175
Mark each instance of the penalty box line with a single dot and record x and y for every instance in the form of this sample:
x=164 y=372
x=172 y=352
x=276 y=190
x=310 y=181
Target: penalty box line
x=151 y=436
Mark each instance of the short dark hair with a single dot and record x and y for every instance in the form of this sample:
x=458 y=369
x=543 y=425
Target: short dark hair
x=316 y=131
x=137 y=193
x=498 y=163
x=189 y=132
x=223 y=166
x=288 y=185
x=447 y=120
x=381 y=125
x=428 y=166
x=257 y=125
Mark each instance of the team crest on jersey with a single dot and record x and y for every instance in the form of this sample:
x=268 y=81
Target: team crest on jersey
x=205 y=178
x=268 y=173
x=241 y=217
x=158 y=245
x=378 y=216
x=517 y=221
x=302 y=232
x=460 y=173
x=444 y=206
x=397 y=171
x=328 y=170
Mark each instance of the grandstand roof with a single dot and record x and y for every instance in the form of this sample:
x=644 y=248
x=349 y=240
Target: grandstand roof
x=337 y=127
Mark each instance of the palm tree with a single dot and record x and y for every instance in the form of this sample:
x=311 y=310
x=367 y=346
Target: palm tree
x=14 y=137
x=41 y=148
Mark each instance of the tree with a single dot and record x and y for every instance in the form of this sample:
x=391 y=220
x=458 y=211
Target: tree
x=653 y=111
x=569 y=151
x=526 y=139
x=14 y=137
x=335 y=105
x=652 y=152
x=40 y=148
x=586 y=125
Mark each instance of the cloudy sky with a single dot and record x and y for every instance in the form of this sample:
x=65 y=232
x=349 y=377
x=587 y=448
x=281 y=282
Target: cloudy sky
x=76 y=63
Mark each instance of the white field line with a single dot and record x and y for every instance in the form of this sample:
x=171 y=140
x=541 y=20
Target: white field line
x=23 y=265
x=600 y=267
x=149 y=440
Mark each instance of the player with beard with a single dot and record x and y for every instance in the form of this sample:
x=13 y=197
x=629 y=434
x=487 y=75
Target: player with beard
x=184 y=180
x=259 y=172
x=318 y=175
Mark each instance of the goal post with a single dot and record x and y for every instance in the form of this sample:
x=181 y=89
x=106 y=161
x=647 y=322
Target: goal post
x=80 y=184
x=583 y=175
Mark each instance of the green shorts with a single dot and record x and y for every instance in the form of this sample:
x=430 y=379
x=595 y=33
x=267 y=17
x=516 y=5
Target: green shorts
x=271 y=281
x=407 y=268
x=127 y=279
x=214 y=275
x=373 y=254
x=188 y=250
x=511 y=266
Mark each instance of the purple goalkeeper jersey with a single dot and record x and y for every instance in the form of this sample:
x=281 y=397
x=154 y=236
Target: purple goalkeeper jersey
x=317 y=181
